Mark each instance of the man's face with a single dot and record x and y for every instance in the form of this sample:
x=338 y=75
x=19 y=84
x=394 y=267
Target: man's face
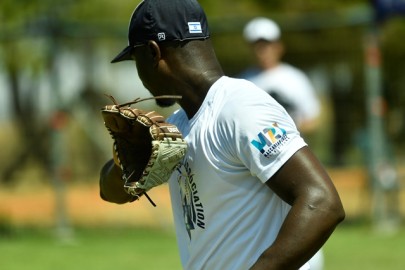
x=268 y=53
x=151 y=77
x=143 y=64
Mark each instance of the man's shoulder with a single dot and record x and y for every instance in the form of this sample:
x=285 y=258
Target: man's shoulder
x=240 y=90
x=239 y=96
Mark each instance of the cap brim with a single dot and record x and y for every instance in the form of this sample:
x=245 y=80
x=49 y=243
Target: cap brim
x=124 y=55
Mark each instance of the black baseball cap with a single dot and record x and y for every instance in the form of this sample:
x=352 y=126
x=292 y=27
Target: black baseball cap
x=164 y=20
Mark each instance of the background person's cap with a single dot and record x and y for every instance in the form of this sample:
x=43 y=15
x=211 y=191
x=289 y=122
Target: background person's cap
x=261 y=29
x=164 y=20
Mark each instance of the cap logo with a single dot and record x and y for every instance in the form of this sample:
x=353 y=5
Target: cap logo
x=194 y=28
x=161 y=36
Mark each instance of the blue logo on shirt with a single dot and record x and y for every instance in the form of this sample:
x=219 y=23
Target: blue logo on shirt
x=270 y=140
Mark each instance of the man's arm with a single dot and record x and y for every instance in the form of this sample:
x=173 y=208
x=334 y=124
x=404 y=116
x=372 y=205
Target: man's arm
x=111 y=184
x=316 y=210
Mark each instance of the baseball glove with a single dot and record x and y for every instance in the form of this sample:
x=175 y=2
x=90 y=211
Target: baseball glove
x=146 y=148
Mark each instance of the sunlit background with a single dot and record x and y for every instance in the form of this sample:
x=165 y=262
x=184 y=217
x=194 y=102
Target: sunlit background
x=55 y=69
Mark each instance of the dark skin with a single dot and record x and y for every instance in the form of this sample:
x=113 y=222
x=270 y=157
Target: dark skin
x=316 y=210
x=189 y=70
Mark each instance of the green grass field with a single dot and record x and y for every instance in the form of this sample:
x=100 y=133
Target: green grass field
x=351 y=247
x=361 y=247
x=90 y=249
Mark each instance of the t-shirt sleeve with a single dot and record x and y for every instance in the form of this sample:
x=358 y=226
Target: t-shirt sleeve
x=265 y=136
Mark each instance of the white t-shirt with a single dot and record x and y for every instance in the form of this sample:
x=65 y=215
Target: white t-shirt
x=225 y=216
x=292 y=88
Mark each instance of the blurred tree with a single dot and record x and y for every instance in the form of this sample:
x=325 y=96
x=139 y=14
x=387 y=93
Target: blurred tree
x=393 y=51
x=23 y=93
x=326 y=34
x=30 y=33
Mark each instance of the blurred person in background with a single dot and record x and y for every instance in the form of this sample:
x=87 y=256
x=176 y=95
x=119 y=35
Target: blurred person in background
x=285 y=83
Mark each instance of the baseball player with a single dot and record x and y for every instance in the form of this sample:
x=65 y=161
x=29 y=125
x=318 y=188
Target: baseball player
x=249 y=193
x=287 y=84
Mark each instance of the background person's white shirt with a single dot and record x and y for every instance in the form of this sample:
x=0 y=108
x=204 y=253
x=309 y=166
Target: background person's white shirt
x=292 y=88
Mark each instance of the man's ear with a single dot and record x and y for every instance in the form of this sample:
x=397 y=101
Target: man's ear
x=154 y=51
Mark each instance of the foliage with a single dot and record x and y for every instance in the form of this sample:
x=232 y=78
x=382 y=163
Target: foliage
x=320 y=37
